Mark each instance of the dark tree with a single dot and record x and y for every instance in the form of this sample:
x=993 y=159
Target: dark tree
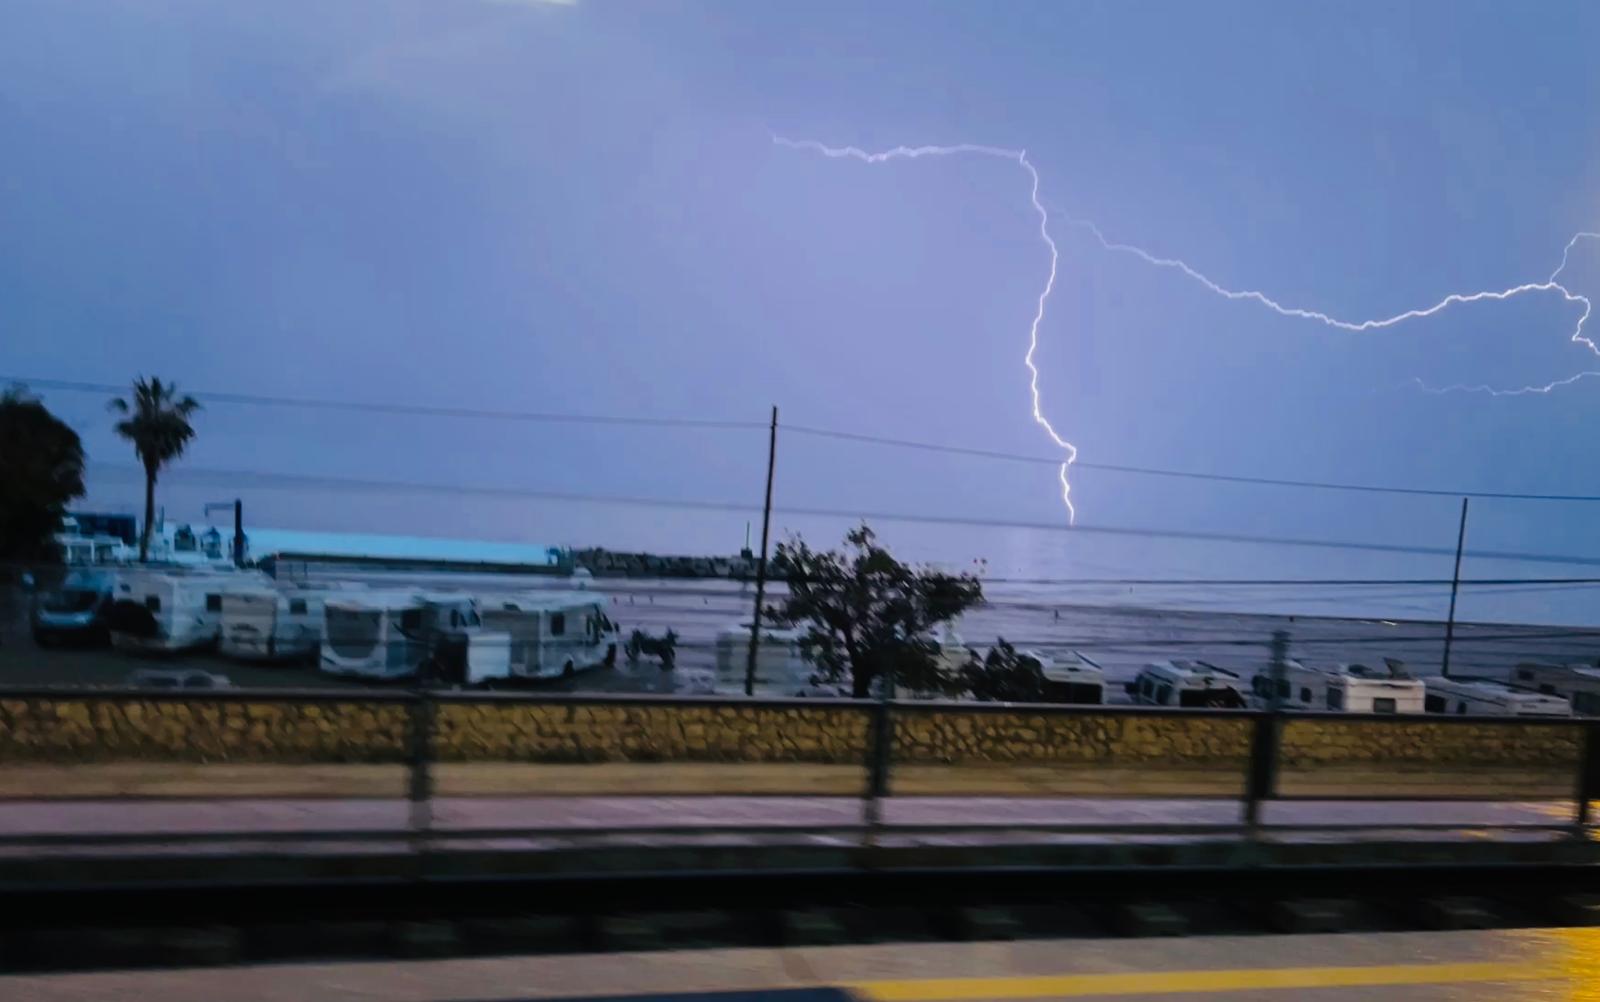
x=41 y=472
x=1004 y=676
x=157 y=424
x=868 y=615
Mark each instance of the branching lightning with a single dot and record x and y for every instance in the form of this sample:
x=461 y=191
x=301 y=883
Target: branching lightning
x=1020 y=157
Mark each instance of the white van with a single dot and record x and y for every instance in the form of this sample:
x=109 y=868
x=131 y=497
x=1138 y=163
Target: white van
x=1194 y=684
x=1579 y=683
x=392 y=634
x=1467 y=695
x=1351 y=688
x=546 y=634
x=173 y=609
x=275 y=622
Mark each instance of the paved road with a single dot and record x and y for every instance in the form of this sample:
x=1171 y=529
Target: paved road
x=1503 y=966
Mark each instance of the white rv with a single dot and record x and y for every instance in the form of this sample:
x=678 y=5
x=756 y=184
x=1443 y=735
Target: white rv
x=1464 y=694
x=1071 y=678
x=275 y=622
x=1352 y=688
x=1579 y=683
x=1195 y=684
x=544 y=634
x=173 y=608
x=780 y=666
x=392 y=634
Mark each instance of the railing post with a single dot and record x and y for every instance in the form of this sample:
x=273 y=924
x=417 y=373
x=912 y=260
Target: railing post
x=879 y=756
x=420 y=792
x=1588 y=784
x=1262 y=782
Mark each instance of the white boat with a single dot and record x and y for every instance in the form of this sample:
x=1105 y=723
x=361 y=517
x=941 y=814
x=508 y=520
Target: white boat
x=780 y=665
x=1194 y=684
x=173 y=608
x=276 y=621
x=1469 y=695
x=544 y=634
x=1579 y=683
x=1351 y=688
x=1071 y=677
x=392 y=634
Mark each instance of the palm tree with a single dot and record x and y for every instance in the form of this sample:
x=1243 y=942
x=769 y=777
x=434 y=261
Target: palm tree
x=157 y=424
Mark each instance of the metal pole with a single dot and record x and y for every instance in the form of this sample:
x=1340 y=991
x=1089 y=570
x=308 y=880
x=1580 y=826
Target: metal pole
x=1455 y=585
x=761 y=568
x=1262 y=781
x=238 y=532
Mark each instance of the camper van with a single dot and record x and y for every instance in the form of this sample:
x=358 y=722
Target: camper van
x=780 y=666
x=1071 y=678
x=75 y=612
x=1579 y=683
x=275 y=622
x=173 y=608
x=544 y=634
x=393 y=634
x=1467 y=695
x=1351 y=688
x=1194 y=684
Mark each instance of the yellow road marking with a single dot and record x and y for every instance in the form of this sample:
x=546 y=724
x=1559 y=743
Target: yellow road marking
x=1155 y=983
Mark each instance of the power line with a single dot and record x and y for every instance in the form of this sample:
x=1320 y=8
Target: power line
x=1150 y=471
x=219 y=396
x=271 y=481
x=414 y=409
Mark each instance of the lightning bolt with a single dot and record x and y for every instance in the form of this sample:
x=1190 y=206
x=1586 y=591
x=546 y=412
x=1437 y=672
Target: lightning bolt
x=1020 y=157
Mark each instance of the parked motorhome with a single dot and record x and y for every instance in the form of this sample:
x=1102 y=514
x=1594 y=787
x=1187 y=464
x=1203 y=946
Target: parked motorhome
x=1579 y=683
x=75 y=612
x=545 y=634
x=276 y=621
x=1186 y=683
x=780 y=666
x=1071 y=678
x=393 y=634
x=1352 y=688
x=173 y=608
x=1468 y=695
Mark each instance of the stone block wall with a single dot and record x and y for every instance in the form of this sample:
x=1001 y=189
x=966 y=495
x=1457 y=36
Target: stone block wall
x=187 y=729
x=1332 y=741
x=947 y=735
x=607 y=732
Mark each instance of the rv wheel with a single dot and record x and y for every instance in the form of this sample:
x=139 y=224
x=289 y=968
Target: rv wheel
x=611 y=656
x=567 y=670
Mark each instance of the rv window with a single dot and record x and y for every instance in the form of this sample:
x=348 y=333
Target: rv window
x=153 y=603
x=411 y=619
x=558 y=623
x=297 y=606
x=1383 y=704
x=1461 y=707
x=1283 y=688
x=1305 y=694
x=1433 y=704
x=213 y=603
x=1164 y=694
x=1525 y=674
x=1548 y=690
x=1336 y=698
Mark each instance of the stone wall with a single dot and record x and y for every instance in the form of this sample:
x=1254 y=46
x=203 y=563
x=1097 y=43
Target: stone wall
x=189 y=729
x=1329 y=740
x=615 y=732
x=927 y=735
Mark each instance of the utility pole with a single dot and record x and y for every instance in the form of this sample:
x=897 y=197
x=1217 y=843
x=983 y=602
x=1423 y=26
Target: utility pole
x=1455 y=585
x=761 y=567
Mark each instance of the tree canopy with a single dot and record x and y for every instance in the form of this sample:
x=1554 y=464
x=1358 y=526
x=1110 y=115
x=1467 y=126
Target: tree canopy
x=41 y=472
x=157 y=423
x=1003 y=676
x=868 y=616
